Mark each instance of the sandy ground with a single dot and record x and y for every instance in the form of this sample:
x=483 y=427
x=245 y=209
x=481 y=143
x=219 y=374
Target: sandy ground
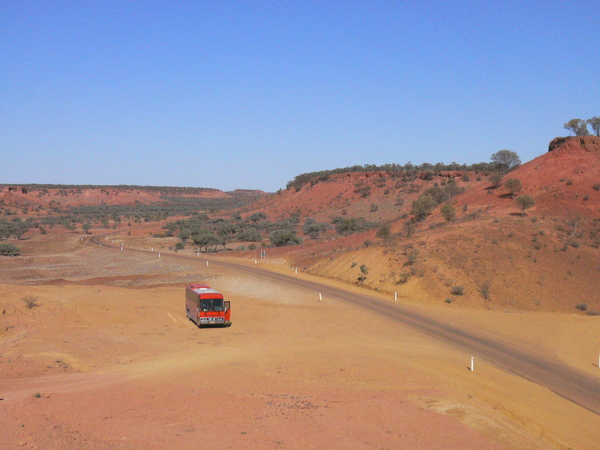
x=107 y=359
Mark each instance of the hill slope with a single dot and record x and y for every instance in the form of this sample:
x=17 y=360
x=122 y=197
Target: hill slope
x=36 y=196
x=489 y=255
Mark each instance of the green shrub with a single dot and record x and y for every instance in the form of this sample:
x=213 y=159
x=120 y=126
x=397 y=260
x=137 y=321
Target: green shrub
x=9 y=250
x=448 y=211
x=457 y=290
x=383 y=232
x=284 y=237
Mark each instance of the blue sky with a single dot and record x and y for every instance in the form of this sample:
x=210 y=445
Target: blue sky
x=249 y=94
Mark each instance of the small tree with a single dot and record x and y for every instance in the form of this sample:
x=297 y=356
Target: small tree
x=205 y=239
x=184 y=234
x=364 y=271
x=383 y=232
x=513 y=185
x=257 y=217
x=422 y=207
x=86 y=228
x=577 y=126
x=495 y=178
x=283 y=237
x=448 y=211
x=594 y=122
x=506 y=160
x=410 y=227
x=524 y=202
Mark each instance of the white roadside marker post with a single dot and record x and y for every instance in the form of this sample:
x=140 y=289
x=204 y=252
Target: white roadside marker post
x=320 y=297
x=395 y=296
x=472 y=364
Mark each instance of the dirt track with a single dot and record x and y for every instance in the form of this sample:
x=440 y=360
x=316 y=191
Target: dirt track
x=108 y=359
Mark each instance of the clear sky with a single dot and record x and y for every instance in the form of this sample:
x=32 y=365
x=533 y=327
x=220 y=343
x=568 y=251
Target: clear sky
x=248 y=94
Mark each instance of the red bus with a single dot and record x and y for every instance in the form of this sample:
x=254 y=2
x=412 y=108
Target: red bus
x=205 y=306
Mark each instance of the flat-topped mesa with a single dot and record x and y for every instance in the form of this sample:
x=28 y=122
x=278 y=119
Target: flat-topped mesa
x=587 y=143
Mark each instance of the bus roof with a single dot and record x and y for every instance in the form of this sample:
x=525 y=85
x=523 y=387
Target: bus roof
x=203 y=289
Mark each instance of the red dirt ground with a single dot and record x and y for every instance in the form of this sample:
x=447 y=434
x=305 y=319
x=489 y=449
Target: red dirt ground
x=107 y=359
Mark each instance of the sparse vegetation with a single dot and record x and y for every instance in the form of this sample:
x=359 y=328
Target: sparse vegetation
x=513 y=185
x=495 y=178
x=577 y=126
x=485 y=290
x=345 y=226
x=288 y=223
x=524 y=202
x=313 y=229
x=582 y=306
x=364 y=271
x=15 y=228
x=284 y=237
x=383 y=232
x=9 y=250
x=407 y=171
x=594 y=122
x=412 y=256
x=457 y=290
x=505 y=161
x=448 y=212
x=423 y=207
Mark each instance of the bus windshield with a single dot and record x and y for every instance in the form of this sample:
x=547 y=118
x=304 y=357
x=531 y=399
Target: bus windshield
x=212 y=304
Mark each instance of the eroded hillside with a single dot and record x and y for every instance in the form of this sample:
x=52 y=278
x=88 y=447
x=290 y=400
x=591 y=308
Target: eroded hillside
x=491 y=253
x=449 y=237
